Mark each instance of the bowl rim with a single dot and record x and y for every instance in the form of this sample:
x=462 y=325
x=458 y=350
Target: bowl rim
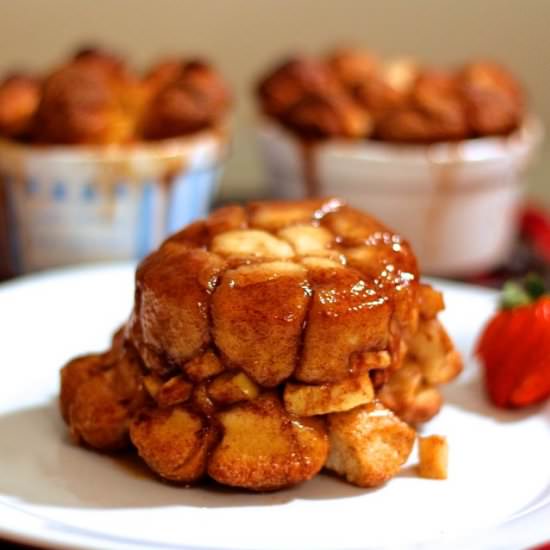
x=218 y=137
x=523 y=141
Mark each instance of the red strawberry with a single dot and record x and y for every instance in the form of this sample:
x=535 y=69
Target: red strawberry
x=515 y=347
x=535 y=226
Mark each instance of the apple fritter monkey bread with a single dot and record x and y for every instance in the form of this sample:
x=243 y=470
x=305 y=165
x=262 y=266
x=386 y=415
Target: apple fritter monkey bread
x=266 y=342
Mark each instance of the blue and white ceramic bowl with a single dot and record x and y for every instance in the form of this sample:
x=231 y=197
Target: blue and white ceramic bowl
x=68 y=205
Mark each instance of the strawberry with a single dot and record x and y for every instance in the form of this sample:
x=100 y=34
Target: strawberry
x=514 y=347
x=535 y=226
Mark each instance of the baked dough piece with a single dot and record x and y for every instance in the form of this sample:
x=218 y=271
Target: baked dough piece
x=267 y=342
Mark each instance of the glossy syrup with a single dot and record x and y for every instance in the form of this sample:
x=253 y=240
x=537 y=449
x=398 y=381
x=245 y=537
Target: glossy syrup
x=310 y=169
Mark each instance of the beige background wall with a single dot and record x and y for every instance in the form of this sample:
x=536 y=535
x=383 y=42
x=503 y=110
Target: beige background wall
x=242 y=36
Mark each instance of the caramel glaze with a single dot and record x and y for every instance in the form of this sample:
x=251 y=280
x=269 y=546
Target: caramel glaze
x=371 y=282
x=306 y=292
x=309 y=168
x=292 y=327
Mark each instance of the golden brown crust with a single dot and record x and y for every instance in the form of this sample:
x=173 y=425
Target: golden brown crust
x=346 y=316
x=313 y=400
x=103 y=401
x=257 y=316
x=352 y=66
x=493 y=97
x=433 y=453
x=434 y=111
x=283 y=451
x=172 y=305
x=368 y=445
x=78 y=105
x=95 y=98
x=174 y=391
x=290 y=81
x=431 y=360
x=203 y=367
x=386 y=89
x=318 y=116
x=353 y=94
x=430 y=301
x=173 y=442
x=275 y=299
x=19 y=97
x=232 y=387
x=252 y=329
x=75 y=373
x=101 y=60
x=163 y=72
x=195 y=99
x=432 y=349
x=97 y=417
x=305 y=96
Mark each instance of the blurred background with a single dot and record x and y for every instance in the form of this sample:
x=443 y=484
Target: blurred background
x=243 y=37
x=55 y=217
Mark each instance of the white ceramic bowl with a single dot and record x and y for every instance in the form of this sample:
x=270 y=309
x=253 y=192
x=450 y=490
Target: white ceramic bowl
x=66 y=205
x=456 y=202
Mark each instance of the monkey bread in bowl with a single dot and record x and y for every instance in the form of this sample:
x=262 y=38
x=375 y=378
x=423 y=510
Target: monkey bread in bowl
x=267 y=342
x=100 y=162
x=440 y=154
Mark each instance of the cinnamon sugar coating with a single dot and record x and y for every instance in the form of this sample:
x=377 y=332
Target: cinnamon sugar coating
x=96 y=98
x=252 y=333
x=351 y=93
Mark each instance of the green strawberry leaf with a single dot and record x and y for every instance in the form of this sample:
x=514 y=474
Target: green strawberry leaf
x=515 y=294
x=534 y=285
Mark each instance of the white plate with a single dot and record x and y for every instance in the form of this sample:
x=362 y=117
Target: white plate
x=55 y=494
